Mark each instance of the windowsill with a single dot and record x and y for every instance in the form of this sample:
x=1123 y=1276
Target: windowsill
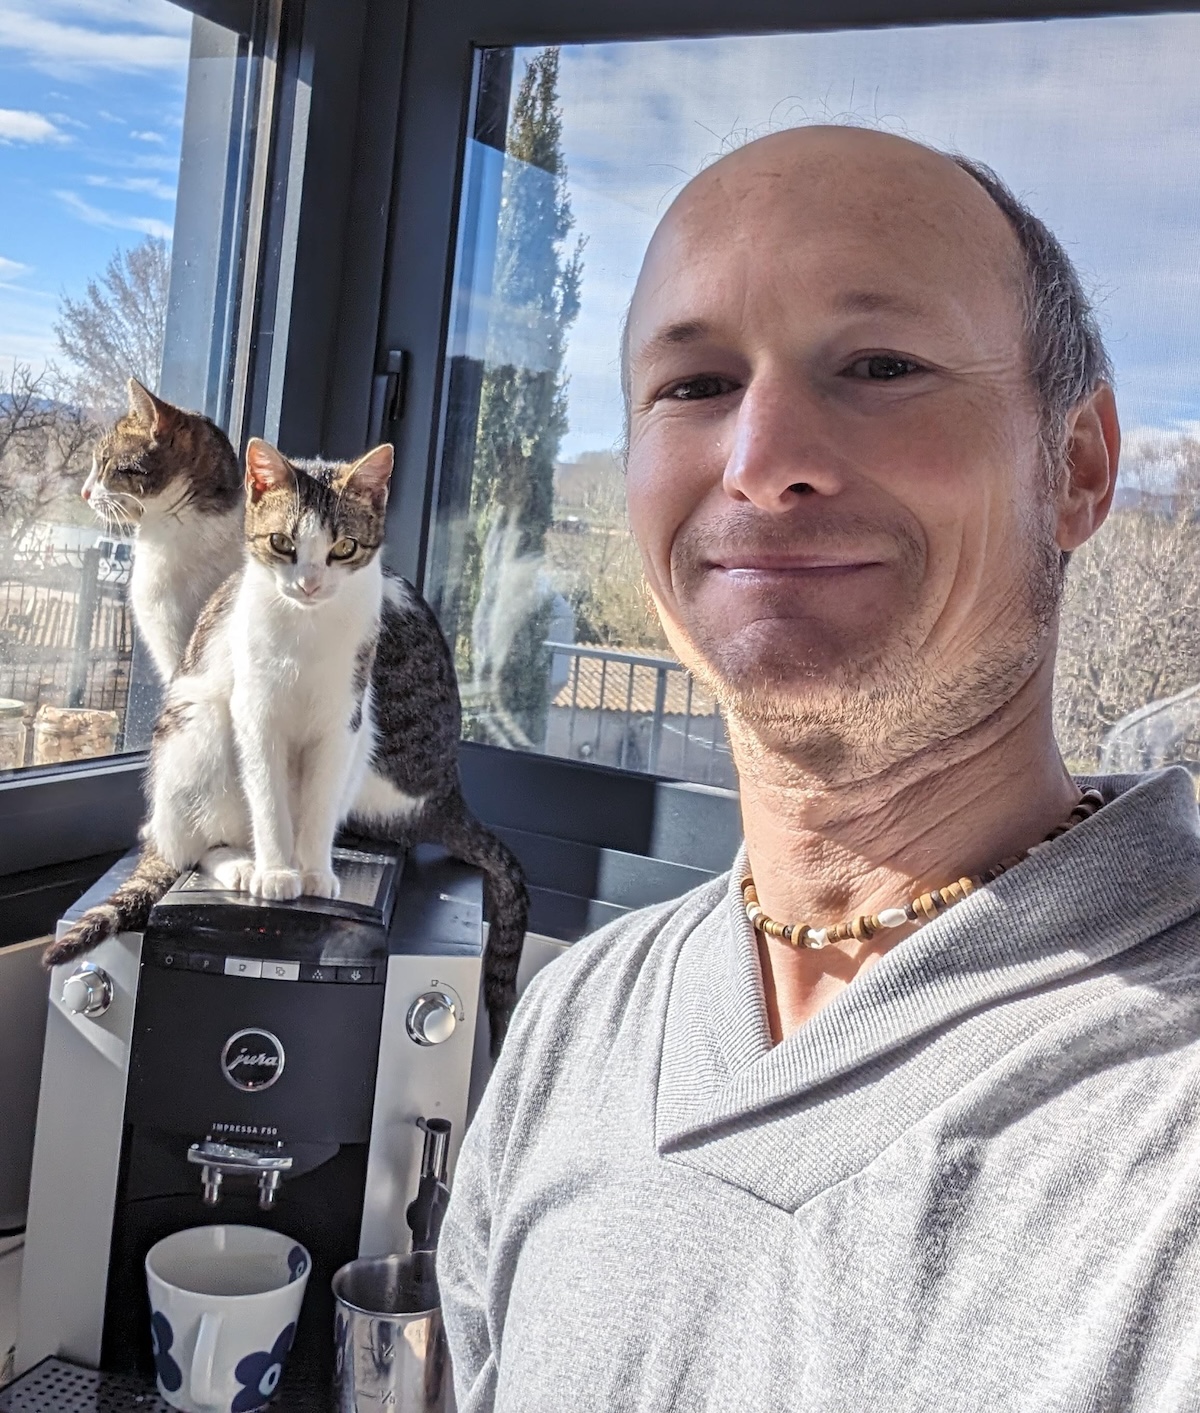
x=56 y=814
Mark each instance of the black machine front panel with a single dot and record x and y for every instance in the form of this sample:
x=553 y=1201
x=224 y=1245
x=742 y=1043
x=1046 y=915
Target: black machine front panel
x=255 y=1024
x=185 y=1057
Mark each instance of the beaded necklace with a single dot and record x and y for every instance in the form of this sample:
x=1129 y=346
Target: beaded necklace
x=923 y=909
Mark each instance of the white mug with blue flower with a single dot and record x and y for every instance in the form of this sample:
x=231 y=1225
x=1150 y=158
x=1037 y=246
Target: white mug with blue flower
x=224 y=1304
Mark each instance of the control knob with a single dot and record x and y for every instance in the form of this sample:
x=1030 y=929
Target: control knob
x=88 y=991
x=431 y=1018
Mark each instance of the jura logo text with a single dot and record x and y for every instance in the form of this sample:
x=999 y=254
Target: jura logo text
x=252 y=1060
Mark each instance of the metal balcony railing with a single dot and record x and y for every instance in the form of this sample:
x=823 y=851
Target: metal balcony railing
x=635 y=711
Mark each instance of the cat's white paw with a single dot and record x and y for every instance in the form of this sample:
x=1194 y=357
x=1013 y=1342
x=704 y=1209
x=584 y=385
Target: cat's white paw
x=276 y=884
x=321 y=883
x=232 y=868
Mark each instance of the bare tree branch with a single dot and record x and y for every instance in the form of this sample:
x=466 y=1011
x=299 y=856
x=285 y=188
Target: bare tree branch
x=116 y=331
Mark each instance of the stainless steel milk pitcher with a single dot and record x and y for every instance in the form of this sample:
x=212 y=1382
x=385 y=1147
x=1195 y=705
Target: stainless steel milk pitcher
x=390 y=1346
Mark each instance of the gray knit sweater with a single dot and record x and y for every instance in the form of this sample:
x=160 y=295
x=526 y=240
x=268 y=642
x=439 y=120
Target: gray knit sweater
x=972 y=1182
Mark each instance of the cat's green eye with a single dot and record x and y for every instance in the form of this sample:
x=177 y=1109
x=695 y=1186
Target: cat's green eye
x=283 y=544
x=344 y=549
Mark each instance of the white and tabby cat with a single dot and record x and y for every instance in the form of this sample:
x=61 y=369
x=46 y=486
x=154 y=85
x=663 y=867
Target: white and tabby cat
x=267 y=729
x=174 y=478
x=409 y=790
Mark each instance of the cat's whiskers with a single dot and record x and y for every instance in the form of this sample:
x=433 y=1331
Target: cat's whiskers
x=111 y=514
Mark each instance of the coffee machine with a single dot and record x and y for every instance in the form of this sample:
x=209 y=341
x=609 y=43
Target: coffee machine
x=250 y=1062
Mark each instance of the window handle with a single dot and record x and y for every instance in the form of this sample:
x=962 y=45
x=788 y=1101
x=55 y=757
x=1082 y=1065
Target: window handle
x=387 y=395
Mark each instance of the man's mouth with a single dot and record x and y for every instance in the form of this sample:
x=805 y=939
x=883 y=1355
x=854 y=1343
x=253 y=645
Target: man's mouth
x=759 y=565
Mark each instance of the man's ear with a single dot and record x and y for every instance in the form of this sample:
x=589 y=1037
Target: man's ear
x=266 y=470
x=157 y=416
x=1092 y=451
x=371 y=474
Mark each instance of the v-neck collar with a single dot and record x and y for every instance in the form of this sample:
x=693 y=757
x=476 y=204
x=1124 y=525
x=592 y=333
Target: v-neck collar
x=1126 y=874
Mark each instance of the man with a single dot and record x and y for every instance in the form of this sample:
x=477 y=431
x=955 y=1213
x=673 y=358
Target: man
x=878 y=1166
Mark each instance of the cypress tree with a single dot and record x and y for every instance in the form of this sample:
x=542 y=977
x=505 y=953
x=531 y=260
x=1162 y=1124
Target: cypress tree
x=522 y=418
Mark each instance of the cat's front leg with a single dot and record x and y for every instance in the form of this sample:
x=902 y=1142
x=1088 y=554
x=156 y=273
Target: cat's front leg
x=263 y=757
x=326 y=766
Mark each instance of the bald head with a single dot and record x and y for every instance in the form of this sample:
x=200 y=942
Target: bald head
x=796 y=183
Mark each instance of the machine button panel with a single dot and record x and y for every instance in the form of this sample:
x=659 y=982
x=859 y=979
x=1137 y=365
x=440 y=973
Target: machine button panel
x=269 y=969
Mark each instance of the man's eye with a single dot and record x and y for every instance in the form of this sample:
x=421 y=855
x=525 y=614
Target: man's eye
x=693 y=389
x=883 y=367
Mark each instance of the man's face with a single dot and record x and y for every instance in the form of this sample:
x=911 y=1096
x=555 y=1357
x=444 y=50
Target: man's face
x=834 y=474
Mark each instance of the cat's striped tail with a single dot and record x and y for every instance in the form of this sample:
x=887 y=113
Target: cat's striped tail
x=125 y=910
x=506 y=900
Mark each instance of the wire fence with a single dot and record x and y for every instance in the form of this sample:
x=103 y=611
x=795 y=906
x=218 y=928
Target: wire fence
x=66 y=631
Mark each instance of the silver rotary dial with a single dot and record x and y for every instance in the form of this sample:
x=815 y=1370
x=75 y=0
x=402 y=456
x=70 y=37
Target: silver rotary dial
x=432 y=1018
x=88 y=991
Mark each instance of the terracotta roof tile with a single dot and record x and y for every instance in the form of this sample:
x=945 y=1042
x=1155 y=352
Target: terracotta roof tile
x=602 y=684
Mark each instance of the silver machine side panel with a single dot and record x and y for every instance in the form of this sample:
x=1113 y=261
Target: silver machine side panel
x=80 y=1123
x=415 y=1081
x=435 y=946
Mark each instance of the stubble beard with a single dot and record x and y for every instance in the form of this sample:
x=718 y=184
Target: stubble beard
x=902 y=701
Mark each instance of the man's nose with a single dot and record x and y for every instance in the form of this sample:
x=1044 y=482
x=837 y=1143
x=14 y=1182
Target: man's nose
x=779 y=451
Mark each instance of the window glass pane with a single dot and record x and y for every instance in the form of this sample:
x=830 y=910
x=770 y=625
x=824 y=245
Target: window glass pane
x=120 y=160
x=575 y=156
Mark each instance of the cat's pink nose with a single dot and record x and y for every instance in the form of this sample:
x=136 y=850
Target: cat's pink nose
x=86 y=492
x=308 y=586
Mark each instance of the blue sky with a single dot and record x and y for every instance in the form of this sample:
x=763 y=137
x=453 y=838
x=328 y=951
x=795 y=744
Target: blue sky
x=1095 y=122
x=91 y=111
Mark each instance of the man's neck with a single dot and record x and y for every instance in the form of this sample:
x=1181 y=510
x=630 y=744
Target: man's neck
x=822 y=852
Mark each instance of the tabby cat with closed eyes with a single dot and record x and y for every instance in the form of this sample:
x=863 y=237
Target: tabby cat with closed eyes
x=403 y=698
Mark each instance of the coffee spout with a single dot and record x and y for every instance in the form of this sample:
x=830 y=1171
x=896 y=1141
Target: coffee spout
x=217 y=1161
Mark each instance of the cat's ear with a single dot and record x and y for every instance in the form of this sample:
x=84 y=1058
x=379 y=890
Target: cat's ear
x=370 y=475
x=152 y=412
x=266 y=470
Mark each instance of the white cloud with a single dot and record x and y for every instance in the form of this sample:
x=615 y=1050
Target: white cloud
x=146 y=186
x=10 y=269
x=147 y=136
x=17 y=125
x=94 y=216
x=156 y=162
x=66 y=48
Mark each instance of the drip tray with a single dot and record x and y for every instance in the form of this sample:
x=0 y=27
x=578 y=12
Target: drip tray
x=54 y=1386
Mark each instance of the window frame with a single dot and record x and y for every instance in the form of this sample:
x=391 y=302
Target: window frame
x=372 y=106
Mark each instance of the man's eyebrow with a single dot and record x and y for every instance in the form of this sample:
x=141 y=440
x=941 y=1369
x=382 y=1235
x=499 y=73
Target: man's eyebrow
x=671 y=336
